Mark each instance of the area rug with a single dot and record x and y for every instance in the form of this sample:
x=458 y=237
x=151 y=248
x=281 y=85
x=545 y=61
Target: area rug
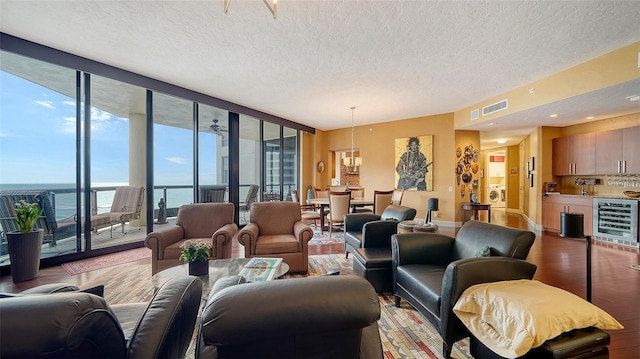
x=404 y=332
x=633 y=266
x=323 y=237
x=109 y=260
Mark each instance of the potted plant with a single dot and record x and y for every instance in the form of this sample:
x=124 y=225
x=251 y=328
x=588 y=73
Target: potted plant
x=25 y=245
x=196 y=255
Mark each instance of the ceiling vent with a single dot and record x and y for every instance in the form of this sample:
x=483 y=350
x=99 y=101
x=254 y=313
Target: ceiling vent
x=475 y=114
x=498 y=106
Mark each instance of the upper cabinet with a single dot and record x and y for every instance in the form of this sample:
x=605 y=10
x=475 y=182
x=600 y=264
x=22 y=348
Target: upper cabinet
x=574 y=155
x=617 y=151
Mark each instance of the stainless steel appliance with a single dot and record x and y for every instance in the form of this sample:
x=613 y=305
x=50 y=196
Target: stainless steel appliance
x=616 y=220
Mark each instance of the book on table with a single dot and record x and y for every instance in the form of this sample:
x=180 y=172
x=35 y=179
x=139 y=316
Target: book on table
x=261 y=269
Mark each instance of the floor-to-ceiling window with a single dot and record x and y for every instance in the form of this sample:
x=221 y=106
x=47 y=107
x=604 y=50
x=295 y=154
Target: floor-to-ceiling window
x=117 y=132
x=173 y=144
x=213 y=154
x=38 y=136
x=249 y=164
x=50 y=141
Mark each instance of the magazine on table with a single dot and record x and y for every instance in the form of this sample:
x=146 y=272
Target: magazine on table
x=261 y=269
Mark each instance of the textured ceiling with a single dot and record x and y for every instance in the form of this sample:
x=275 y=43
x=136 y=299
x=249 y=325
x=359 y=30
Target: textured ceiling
x=391 y=59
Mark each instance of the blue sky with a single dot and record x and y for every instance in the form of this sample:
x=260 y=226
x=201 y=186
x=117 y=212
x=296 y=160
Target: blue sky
x=37 y=141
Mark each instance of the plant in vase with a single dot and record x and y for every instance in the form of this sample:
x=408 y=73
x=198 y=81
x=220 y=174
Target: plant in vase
x=196 y=255
x=25 y=245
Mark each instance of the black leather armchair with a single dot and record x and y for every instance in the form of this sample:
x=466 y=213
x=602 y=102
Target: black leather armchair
x=431 y=271
x=354 y=223
x=73 y=324
x=332 y=316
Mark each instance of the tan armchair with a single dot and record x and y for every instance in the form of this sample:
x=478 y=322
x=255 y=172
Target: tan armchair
x=200 y=222
x=276 y=230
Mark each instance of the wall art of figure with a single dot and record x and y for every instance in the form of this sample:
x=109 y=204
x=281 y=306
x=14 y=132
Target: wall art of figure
x=413 y=156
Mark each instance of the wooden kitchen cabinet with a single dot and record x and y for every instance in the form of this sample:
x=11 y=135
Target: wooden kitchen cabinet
x=617 y=151
x=553 y=205
x=631 y=149
x=574 y=155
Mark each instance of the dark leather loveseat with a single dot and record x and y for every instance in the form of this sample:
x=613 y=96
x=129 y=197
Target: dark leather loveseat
x=58 y=321
x=332 y=316
x=354 y=222
x=431 y=271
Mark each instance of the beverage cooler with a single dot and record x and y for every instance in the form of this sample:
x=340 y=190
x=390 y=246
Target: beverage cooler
x=616 y=219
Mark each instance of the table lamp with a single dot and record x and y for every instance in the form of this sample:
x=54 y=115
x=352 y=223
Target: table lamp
x=432 y=205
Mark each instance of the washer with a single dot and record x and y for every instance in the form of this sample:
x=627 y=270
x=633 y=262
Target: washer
x=494 y=196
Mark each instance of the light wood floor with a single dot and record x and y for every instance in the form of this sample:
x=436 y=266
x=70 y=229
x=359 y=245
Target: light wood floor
x=561 y=262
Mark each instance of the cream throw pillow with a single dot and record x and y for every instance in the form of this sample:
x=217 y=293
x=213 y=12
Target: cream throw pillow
x=511 y=317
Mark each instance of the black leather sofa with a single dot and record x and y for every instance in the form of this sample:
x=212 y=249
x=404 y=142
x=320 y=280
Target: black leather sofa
x=354 y=223
x=58 y=321
x=431 y=271
x=332 y=316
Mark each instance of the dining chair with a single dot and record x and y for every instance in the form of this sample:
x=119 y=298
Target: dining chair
x=321 y=193
x=339 y=204
x=358 y=192
x=396 y=198
x=308 y=211
x=381 y=200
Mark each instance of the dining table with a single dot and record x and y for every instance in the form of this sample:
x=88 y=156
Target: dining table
x=324 y=204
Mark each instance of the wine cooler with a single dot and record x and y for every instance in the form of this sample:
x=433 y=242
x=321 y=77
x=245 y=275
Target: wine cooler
x=616 y=219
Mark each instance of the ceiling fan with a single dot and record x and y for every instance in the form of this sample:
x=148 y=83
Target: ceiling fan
x=217 y=129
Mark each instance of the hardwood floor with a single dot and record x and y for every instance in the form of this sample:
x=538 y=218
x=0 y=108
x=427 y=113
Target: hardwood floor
x=561 y=262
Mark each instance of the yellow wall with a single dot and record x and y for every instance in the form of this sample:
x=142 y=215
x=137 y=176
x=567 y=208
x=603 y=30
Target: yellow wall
x=513 y=180
x=610 y=69
x=464 y=139
x=376 y=146
x=376 y=142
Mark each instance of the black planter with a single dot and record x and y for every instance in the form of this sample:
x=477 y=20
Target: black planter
x=199 y=267
x=24 y=253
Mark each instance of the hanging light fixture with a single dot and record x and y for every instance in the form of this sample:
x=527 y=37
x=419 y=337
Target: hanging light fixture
x=352 y=162
x=273 y=6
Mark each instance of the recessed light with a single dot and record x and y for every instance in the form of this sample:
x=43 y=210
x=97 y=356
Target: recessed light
x=633 y=98
x=501 y=141
x=554 y=115
x=491 y=123
x=590 y=118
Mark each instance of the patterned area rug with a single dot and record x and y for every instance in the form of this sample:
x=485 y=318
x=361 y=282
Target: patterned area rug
x=109 y=260
x=337 y=236
x=404 y=332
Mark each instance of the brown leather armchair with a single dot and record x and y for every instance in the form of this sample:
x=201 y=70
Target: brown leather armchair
x=200 y=222
x=276 y=230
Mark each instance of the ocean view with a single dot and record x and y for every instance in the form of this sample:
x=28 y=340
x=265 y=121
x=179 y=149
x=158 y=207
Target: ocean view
x=63 y=196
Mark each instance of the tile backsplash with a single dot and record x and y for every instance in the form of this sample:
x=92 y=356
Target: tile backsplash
x=606 y=186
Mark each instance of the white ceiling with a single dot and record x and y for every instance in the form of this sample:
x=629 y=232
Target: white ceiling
x=391 y=59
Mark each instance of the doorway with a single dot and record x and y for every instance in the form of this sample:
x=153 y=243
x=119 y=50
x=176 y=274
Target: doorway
x=496 y=180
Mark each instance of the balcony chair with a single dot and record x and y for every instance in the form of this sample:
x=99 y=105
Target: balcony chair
x=339 y=205
x=431 y=271
x=126 y=206
x=53 y=230
x=276 y=230
x=250 y=199
x=212 y=194
x=200 y=222
x=308 y=211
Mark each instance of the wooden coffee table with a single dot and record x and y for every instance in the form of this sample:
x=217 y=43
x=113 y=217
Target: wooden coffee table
x=218 y=268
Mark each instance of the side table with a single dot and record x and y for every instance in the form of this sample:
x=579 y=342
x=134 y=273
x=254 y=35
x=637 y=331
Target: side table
x=416 y=225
